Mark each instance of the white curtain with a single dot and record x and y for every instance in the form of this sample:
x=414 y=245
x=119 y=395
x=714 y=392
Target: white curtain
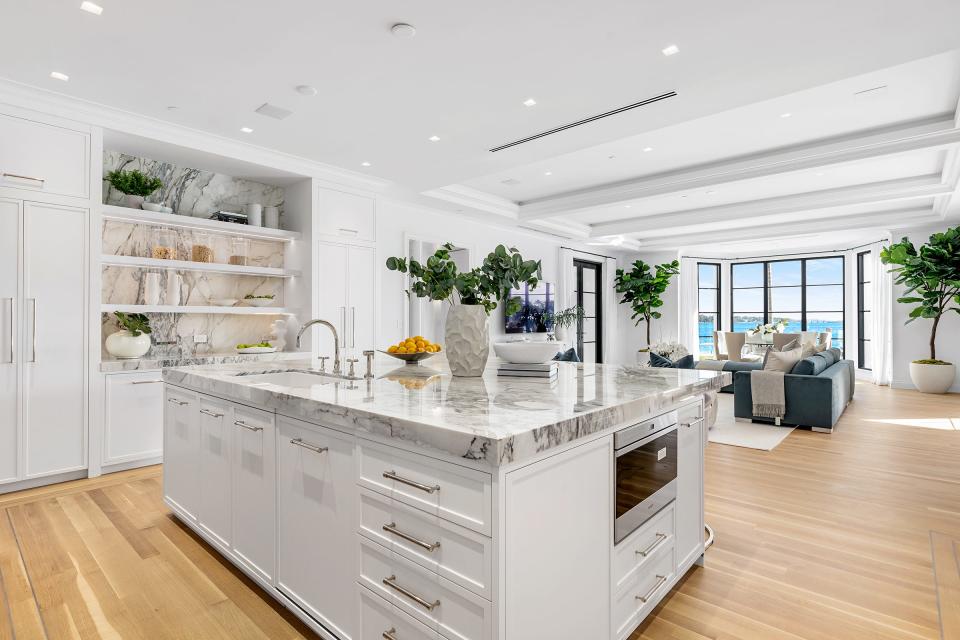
x=688 y=307
x=610 y=313
x=566 y=280
x=881 y=318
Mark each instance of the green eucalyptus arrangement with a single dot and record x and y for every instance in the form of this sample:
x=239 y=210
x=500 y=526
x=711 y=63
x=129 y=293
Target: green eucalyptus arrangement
x=641 y=288
x=133 y=183
x=567 y=317
x=931 y=275
x=135 y=323
x=487 y=285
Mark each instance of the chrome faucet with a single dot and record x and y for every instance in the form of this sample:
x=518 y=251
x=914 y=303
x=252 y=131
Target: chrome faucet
x=336 y=341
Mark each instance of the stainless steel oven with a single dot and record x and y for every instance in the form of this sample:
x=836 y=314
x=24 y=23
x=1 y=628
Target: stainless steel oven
x=646 y=471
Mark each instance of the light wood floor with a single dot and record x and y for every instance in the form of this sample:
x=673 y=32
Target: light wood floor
x=828 y=537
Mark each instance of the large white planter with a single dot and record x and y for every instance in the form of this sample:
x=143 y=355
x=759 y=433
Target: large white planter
x=467 y=337
x=932 y=378
x=123 y=344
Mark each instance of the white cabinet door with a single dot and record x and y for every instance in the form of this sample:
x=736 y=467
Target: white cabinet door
x=42 y=157
x=133 y=426
x=347 y=215
x=216 y=430
x=362 y=298
x=54 y=338
x=332 y=262
x=317 y=505
x=181 y=451
x=689 y=525
x=9 y=349
x=255 y=490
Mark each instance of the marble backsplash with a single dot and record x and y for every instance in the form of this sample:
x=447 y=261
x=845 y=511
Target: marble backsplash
x=190 y=192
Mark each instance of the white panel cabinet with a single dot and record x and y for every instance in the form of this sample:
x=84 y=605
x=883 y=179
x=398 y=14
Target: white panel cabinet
x=216 y=433
x=40 y=157
x=346 y=215
x=181 y=452
x=689 y=527
x=346 y=291
x=332 y=283
x=10 y=353
x=133 y=420
x=254 y=490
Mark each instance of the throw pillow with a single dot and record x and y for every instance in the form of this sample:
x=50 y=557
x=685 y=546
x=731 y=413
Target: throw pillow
x=570 y=355
x=659 y=361
x=793 y=344
x=810 y=349
x=782 y=360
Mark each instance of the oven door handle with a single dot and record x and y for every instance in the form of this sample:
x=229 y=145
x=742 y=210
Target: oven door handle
x=647 y=440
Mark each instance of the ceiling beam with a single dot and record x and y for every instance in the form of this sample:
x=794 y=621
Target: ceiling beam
x=936 y=133
x=475 y=199
x=757 y=210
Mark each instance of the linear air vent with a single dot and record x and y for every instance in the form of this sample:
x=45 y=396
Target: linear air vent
x=642 y=103
x=273 y=111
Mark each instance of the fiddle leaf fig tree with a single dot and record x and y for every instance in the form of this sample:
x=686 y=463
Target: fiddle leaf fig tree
x=641 y=288
x=931 y=275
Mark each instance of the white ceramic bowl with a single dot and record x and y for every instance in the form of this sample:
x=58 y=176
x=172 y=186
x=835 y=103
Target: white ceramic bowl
x=222 y=302
x=260 y=302
x=526 y=352
x=152 y=206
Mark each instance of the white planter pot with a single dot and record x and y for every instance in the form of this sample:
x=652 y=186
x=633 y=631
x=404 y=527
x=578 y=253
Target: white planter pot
x=124 y=345
x=561 y=333
x=467 y=337
x=932 y=378
x=134 y=202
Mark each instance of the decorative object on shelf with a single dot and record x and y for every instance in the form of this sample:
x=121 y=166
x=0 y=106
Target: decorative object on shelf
x=259 y=301
x=174 y=283
x=480 y=290
x=164 y=244
x=152 y=206
x=260 y=347
x=641 y=288
x=134 y=184
x=133 y=340
x=223 y=302
x=239 y=251
x=151 y=288
x=271 y=217
x=229 y=216
x=201 y=251
x=931 y=275
x=278 y=333
x=563 y=321
x=254 y=213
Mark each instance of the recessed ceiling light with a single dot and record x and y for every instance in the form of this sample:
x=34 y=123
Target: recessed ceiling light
x=172 y=107
x=626 y=206
x=786 y=115
x=403 y=30
x=611 y=157
x=91 y=7
x=819 y=173
x=548 y=173
x=246 y=129
x=670 y=50
x=306 y=90
x=710 y=193
x=434 y=138
x=364 y=164
x=683 y=195
x=647 y=149
x=56 y=75
x=529 y=102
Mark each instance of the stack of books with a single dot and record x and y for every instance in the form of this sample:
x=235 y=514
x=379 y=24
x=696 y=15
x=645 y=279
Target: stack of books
x=546 y=371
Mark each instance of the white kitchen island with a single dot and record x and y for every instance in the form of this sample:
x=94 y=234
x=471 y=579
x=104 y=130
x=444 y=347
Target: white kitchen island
x=417 y=505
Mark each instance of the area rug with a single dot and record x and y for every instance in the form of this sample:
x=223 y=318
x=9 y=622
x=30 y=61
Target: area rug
x=751 y=435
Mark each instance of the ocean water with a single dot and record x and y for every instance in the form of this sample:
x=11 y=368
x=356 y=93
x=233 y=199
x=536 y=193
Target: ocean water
x=835 y=326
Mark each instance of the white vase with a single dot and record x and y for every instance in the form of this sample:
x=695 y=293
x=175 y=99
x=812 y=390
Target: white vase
x=271 y=217
x=124 y=344
x=467 y=338
x=561 y=333
x=932 y=378
x=254 y=214
x=151 y=288
x=134 y=202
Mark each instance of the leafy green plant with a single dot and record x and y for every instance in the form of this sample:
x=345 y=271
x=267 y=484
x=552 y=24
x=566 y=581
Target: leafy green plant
x=133 y=183
x=487 y=285
x=567 y=317
x=642 y=287
x=135 y=323
x=931 y=275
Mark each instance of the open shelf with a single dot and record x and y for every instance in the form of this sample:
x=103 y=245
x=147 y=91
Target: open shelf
x=138 y=216
x=188 y=265
x=208 y=310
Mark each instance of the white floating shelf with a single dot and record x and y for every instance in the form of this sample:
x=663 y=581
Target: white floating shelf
x=138 y=216
x=188 y=265
x=210 y=310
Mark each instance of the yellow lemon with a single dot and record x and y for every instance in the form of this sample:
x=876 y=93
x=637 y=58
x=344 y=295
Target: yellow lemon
x=392 y=349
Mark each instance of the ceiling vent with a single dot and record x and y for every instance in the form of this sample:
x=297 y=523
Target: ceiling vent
x=606 y=114
x=273 y=111
x=510 y=182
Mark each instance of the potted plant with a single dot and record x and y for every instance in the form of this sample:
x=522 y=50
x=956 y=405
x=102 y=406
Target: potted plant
x=479 y=291
x=641 y=288
x=931 y=275
x=133 y=340
x=564 y=320
x=134 y=184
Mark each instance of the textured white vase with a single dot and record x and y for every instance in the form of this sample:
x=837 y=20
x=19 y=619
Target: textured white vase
x=123 y=344
x=561 y=333
x=467 y=337
x=932 y=378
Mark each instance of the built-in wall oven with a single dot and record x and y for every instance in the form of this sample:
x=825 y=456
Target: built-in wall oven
x=646 y=471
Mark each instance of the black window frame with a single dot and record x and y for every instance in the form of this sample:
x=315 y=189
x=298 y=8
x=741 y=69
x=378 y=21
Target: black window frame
x=861 y=311
x=579 y=266
x=719 y=310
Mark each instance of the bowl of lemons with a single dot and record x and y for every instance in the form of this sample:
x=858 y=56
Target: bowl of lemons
x=413 y=349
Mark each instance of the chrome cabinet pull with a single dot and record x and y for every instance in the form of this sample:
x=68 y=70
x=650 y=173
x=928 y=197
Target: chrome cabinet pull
x=211 y=413
x=33 y=358
x=429 y=606
x=14 y=175
x=392 y=528
x=656 y=543
x=146 y=382
x=13 y=319
x=392 y=475
x=349 y=230
x=177 y=402
x=389 y=634
x=353 y=326
x=661 y=580
x=306 y=445
x=248 y=427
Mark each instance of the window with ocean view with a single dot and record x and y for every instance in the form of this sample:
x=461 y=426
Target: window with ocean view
x=708 y=306
x=864 y=295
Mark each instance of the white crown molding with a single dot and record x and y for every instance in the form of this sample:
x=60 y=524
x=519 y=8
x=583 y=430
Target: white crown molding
x=936 y=133
x=563 y=228
x=92 y=113
x=475 y=199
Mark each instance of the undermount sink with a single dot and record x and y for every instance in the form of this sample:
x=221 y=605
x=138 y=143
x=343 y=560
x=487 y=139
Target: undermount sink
x=296 y=379
x=526 y=352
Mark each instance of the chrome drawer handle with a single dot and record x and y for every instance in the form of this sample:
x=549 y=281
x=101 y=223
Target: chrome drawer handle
x=656 y=543
x=13 y=318
x=392 y=475
x=389 y=634
x=211 y=413
x=392 y=528
x=661 y=580
x=429 y=606
x=248 y=427
x=177 y=402
x=14 y=175
x=300 y=443
x=146 y=382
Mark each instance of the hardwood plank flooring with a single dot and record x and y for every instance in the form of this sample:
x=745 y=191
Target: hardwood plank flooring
x=852 y=535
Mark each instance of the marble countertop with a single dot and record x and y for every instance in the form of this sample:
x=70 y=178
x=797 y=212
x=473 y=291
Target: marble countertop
x=118 y=365
x=490 y=419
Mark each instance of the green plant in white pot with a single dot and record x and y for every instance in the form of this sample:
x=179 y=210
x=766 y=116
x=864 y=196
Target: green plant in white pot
x=641 y=288
x=565 y=320
x=478 y=292
x=931 y=275
x=133 y=339
x=134 y=184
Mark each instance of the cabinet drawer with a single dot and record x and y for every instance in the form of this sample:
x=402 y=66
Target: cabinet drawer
x=436 y=602
x=133 y=429
x=44 y=158
x=454 y=552
x=642 y=592
x=636 y=551
x=690 y=412
x=347 y=215
x=382 y=620
x=452 y=492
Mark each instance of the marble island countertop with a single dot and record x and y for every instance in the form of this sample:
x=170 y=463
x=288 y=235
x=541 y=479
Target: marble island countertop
x=491 y=419
x=109 y=364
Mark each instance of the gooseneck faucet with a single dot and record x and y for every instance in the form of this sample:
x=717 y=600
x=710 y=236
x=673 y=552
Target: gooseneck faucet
x=336 y=341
